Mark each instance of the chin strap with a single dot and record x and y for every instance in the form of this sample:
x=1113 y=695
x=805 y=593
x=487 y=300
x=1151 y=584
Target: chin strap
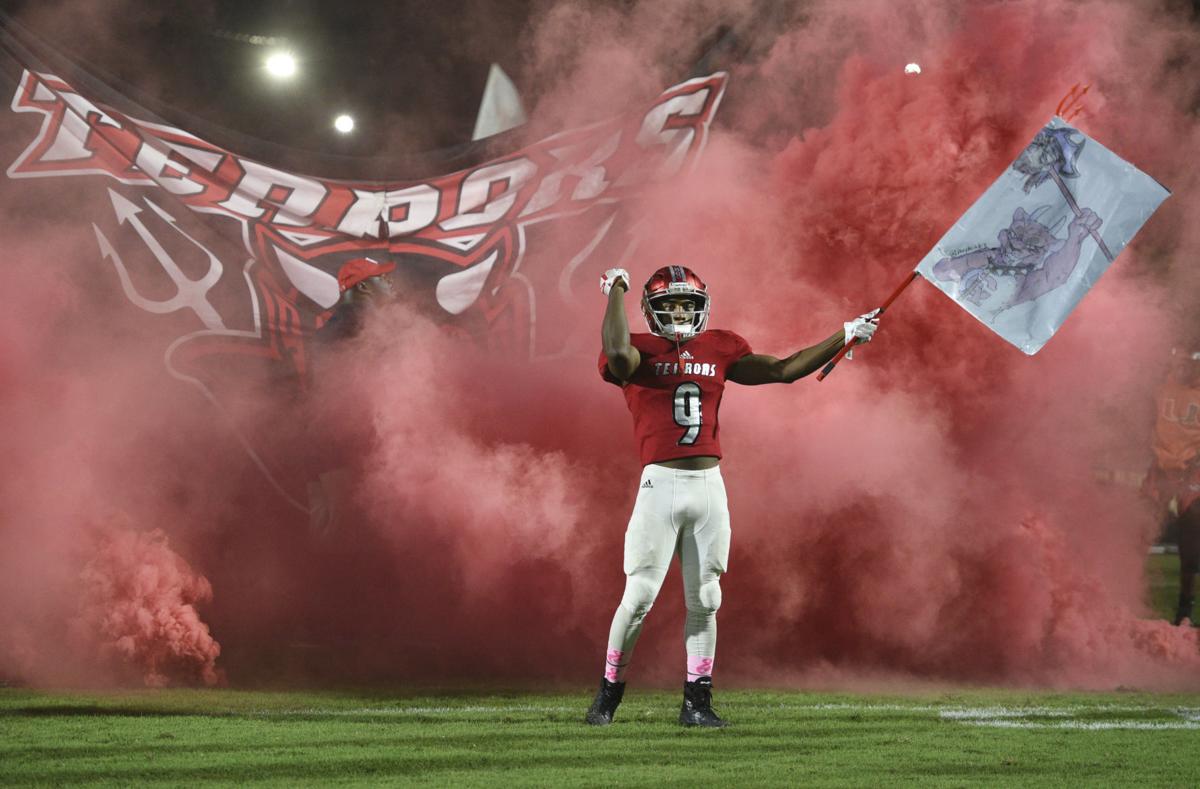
x=679 y=342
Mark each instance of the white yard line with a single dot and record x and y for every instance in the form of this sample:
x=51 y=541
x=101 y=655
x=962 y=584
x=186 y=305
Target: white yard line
x=1073 y=716
x=1062 y=712
x=951 y=712
x=1088 y=725
x=1027 y=718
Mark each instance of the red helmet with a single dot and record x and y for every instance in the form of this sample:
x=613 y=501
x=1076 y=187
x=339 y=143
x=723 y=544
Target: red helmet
x=671 y=282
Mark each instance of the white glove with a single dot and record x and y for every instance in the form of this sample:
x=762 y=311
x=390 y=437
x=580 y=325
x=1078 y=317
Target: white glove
x=861 y=328
x=611 y=278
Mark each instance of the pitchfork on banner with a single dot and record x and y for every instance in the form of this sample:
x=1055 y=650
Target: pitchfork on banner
x=1039 y=238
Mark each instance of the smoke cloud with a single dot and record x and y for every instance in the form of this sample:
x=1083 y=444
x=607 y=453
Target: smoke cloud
x=930 y=511
x=139 y=609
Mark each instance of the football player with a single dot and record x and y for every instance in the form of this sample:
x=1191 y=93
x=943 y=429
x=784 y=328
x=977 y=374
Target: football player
x=672 y=379
x=1174 y=478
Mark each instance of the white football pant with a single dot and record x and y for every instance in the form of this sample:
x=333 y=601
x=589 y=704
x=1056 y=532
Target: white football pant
x=677 y=512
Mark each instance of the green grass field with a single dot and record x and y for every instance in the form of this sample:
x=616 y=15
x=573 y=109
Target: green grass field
x=184 y=738
x=1162 y=584
x=188 y=737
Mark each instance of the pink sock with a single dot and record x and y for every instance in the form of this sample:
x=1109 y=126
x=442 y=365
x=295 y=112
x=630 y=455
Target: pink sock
x=614 y=667
x=698 y=667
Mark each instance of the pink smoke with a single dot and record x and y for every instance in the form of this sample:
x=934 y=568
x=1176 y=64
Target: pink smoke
x=933 y=509
x=929 y=511
x=139 y=609
x=934 y=513
x=87 y=423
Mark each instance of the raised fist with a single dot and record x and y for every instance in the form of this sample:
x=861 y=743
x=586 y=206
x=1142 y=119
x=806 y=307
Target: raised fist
x=613 y=277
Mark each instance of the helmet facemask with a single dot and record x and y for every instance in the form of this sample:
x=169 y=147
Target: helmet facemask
x=661 y=321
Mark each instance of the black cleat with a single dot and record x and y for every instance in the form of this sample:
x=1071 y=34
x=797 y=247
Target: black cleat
x=605 y=704
x=697 y=705
x=1184 y=612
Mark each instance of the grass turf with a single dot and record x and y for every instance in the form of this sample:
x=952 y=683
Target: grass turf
x=1162 y=584
x=182 y=737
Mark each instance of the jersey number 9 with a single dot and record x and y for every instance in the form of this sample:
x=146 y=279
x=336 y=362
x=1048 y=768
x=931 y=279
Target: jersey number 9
x=687 y=412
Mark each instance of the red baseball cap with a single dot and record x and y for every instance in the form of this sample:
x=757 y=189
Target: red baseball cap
x=356 y=270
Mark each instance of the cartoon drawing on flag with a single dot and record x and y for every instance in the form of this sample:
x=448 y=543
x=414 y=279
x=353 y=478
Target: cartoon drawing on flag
x=1052 y=155
x=1027 y=262
x=1025 y=253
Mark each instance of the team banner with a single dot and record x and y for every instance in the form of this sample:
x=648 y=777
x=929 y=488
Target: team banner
x=269 y=242
x=463 y=240
x=1028 y=250
x=235 y=260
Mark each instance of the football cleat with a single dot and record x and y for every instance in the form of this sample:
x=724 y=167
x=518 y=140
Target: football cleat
x=673 y=282
x=604 y=706
x=1184 y=612
x=697 y=705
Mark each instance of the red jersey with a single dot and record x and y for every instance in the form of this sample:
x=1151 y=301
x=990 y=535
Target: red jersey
x=676 y=391
x=1177 y=432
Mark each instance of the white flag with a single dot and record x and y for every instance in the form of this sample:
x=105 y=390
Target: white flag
x=1022 y=257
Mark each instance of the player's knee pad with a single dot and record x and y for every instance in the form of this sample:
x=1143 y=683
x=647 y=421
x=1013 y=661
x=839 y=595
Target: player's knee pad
x=640 y=591
x=707 y=599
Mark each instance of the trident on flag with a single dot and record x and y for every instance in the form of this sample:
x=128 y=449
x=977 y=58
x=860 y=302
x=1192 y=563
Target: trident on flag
x=1004 y=260
x=1053 y=155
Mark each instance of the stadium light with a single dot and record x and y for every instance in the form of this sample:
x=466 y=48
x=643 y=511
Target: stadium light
x=281 y=65
x=344 y=124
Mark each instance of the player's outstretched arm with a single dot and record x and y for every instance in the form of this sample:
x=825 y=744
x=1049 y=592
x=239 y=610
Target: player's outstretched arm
x=757 y=368
x=623 y=358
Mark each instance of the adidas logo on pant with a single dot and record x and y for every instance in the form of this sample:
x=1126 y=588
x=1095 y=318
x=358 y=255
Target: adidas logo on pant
x=647 y=484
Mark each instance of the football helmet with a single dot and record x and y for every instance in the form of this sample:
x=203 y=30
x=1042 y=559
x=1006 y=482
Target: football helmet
x=672 y=282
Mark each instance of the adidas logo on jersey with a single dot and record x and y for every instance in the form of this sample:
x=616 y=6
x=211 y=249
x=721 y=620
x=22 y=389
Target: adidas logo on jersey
x=686 y=355
x=647 y=484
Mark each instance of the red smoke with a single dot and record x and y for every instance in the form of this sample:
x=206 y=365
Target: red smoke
x=933 y=509
x=139 y=609
x=930 y=510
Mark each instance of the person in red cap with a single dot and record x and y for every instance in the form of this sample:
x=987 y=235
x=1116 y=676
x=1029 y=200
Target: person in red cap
x=364 y=278
x=364 y=284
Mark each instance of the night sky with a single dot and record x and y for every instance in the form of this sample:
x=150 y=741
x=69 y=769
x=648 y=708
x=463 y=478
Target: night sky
x=414 y=66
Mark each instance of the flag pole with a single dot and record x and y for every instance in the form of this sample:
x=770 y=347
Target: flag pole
x=828 y=368
x=1070 y=198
